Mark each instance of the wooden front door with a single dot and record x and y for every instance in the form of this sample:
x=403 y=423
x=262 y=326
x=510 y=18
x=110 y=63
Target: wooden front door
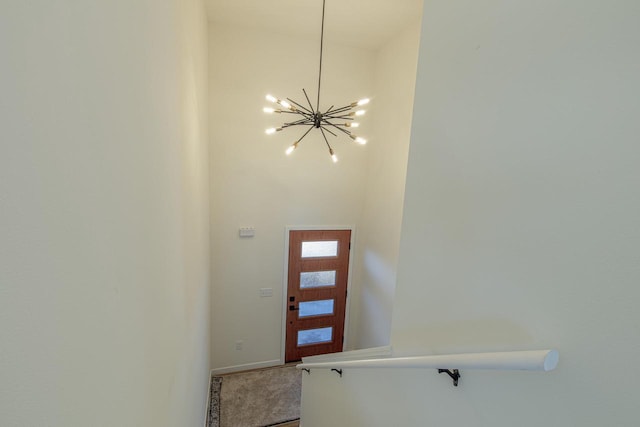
x=317 y=292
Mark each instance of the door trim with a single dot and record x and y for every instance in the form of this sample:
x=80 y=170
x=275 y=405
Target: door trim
x=286 y=278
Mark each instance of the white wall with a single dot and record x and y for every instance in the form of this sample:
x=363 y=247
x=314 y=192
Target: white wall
x=379 y=227
x=104 y=295
x=254 y=184
x=520 y=226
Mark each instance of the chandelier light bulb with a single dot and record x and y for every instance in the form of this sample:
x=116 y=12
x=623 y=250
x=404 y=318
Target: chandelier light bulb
x=358 y=139
x=362 y=102
x=360 y=113
x=271 y=98
x=291 y=148
x=271 y=131
x=333 y=156
x=285 y=104
x=352 y=124
x=269 y=110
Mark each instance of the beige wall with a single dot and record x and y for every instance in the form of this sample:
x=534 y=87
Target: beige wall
x=379 y=226
x=104 y=296
x=254 y=184
x=521 y=213
x=520 y=226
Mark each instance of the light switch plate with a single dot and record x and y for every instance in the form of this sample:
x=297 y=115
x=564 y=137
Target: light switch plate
x=266 y=292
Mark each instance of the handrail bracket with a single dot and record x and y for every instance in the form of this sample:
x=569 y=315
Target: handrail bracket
x=455 y=375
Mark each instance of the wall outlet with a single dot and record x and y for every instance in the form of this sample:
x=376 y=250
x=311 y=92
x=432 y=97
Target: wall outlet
x=239 y=345
x=247 y=232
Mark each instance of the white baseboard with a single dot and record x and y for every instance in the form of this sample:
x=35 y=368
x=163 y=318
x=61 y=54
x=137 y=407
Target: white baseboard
x=206 y=412
x=247 y=367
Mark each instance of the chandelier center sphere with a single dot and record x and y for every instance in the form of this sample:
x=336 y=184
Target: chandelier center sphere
x=317 y=119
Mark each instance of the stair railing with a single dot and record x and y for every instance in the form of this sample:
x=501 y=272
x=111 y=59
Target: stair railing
x=535 y=360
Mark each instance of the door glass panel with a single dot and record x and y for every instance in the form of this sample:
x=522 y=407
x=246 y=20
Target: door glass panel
x=316 y=308
x=328 y=248
x=317 y=279
x=315 y=336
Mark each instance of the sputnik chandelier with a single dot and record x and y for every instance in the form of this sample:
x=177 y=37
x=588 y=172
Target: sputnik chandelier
x=332 y=121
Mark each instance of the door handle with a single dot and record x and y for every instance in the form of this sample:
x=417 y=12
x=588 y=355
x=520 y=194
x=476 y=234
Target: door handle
x=293 y=308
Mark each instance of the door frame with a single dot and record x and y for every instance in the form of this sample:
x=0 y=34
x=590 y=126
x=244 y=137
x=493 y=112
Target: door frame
x=285 y=300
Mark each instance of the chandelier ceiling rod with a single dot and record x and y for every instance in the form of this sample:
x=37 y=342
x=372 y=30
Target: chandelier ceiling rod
x=321 y=49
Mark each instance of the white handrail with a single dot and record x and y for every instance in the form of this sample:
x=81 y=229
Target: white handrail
x=536 y=360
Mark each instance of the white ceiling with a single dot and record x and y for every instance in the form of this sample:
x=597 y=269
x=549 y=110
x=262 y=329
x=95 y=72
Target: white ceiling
x=362 y=23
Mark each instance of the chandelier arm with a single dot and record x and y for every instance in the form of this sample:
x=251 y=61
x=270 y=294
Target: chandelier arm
x=321 y=48
x=347 y=117
x=339 y=128
x=297 y=122
x=322 y=127
x=341 y=119
x=342 y=116
x=293 y=112
x=307 y=96
x=306 y=133
x=307 y=116
x=328 y=110
x=339 y=110
x=304 y=108
x=326 y=140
